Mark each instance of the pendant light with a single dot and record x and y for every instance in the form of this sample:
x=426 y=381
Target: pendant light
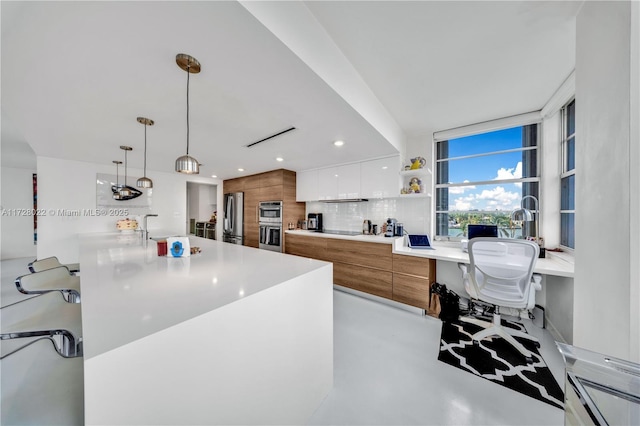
x=185 y=163
x=116 y=189
x=145 y=182
x=124 y=189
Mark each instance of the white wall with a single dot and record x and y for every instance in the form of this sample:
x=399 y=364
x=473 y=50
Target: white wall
x=17 y=230
x=550 y=170
x=603 y=289
x=71 y=185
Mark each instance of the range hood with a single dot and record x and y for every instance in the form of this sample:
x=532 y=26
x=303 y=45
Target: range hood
x=347 y=200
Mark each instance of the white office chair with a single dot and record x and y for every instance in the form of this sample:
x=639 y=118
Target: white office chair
x=501 y=273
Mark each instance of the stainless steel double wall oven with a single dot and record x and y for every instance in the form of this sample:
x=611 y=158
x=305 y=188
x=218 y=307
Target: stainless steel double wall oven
x=270 y=214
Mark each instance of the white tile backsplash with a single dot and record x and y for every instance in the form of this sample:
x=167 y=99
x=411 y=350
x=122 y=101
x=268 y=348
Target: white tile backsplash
x=414 y=213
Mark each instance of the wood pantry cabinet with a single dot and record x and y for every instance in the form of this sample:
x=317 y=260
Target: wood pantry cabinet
x=276 y=185
x=370 y=267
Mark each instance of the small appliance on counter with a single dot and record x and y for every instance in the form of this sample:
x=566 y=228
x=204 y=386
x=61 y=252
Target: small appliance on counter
x=366 y=227
x=314 y=222
x=391 y=227
x=398 y=230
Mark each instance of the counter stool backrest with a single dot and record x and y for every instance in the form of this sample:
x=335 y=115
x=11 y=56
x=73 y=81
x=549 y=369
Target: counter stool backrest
x=49 y=263
x=48 y=280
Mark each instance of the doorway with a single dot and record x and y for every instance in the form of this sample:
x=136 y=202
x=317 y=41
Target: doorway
x=202 y=209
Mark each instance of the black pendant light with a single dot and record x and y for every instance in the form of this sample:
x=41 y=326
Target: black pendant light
x=116 y=189
x=145 y=182
x=124 y=189
x=187 y=164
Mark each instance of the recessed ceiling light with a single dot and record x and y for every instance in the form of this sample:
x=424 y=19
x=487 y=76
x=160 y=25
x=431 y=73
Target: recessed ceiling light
x=241 y=170
x=384 y=167
x=338 y=143
x=214 y=176
x=279 y=159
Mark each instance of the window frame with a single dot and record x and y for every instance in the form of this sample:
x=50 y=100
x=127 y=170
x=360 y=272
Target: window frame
x=535 y=179
x=564 y=171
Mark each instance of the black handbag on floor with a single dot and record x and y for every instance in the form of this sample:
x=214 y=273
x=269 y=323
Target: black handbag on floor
x=449 y=302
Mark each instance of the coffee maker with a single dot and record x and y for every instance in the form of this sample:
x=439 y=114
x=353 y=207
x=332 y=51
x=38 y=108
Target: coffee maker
x=391 y=226
x=314 y=222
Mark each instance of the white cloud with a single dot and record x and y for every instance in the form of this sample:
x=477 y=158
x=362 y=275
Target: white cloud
x=512 y=173
x=499 y=199
x=461 y=189
x=464 y=203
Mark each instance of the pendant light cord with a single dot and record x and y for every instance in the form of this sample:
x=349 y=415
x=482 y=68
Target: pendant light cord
x=188 y=72
x=145 y=149
x=125 y=167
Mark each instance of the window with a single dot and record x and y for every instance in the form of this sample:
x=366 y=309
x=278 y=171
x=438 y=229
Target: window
x=480 y=179
x=567 y=178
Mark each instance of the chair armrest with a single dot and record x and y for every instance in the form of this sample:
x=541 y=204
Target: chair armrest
x=537 y=281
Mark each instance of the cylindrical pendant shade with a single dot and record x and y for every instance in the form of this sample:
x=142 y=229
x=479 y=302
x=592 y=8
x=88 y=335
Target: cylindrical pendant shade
x=144 y=182
x=188 y=165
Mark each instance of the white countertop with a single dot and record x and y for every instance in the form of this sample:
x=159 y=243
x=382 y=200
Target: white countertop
x=450 y=252
x=128 y=292
x=360 y=237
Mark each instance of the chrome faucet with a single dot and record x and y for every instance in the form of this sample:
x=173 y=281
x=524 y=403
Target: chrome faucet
x=145 y=231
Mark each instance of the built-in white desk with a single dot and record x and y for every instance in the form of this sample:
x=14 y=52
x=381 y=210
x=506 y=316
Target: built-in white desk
x=556 y=295
x=232 y=335
x=452 y=252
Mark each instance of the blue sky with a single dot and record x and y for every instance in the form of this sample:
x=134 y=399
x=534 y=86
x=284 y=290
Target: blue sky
x=499 y=196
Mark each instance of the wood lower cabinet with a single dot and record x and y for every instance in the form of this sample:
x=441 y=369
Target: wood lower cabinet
x=370 y=280
x=370 y=267
x=312 y=247
x=412 y=277
x=373 y=255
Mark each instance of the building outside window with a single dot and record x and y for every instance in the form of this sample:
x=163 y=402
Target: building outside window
x=567 y=178
x=481 y=178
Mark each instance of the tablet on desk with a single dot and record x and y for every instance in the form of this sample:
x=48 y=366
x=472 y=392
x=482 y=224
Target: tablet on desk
x=420 y=242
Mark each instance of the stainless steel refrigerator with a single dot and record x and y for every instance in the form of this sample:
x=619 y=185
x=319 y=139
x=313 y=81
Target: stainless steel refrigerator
x=233 y=218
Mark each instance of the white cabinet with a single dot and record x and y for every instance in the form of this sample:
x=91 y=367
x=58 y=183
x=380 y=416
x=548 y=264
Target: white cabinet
x=339 y=183
x=328 y=183
x=348 y=181
x=307 y=186
x=379 y=178
x=368 y=179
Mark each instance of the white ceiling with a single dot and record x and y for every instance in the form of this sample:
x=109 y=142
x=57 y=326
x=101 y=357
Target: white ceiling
x=75 y=75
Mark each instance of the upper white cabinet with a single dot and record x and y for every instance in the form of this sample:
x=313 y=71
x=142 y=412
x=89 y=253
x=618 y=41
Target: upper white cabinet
x=368 y=179
x=328 y=184
x=379 y=178
x=307 y=186
x=348 y=181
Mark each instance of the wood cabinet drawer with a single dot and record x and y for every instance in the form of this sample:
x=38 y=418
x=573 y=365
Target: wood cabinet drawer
x=369 y=280
x=413 y=265
x=313 y=247
x=375 y=255
x=411 y=289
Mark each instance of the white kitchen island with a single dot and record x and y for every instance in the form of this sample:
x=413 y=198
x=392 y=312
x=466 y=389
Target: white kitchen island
x=232 y=335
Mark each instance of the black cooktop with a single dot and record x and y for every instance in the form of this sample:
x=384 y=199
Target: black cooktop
x=329 y=231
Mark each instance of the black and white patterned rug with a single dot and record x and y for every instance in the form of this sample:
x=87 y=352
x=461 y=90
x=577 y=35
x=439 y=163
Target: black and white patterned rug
x=494 y=359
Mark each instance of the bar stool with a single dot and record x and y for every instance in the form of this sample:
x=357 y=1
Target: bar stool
x=45 y=315
x=52 y=262
x=51 y=279
x=39 y=386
